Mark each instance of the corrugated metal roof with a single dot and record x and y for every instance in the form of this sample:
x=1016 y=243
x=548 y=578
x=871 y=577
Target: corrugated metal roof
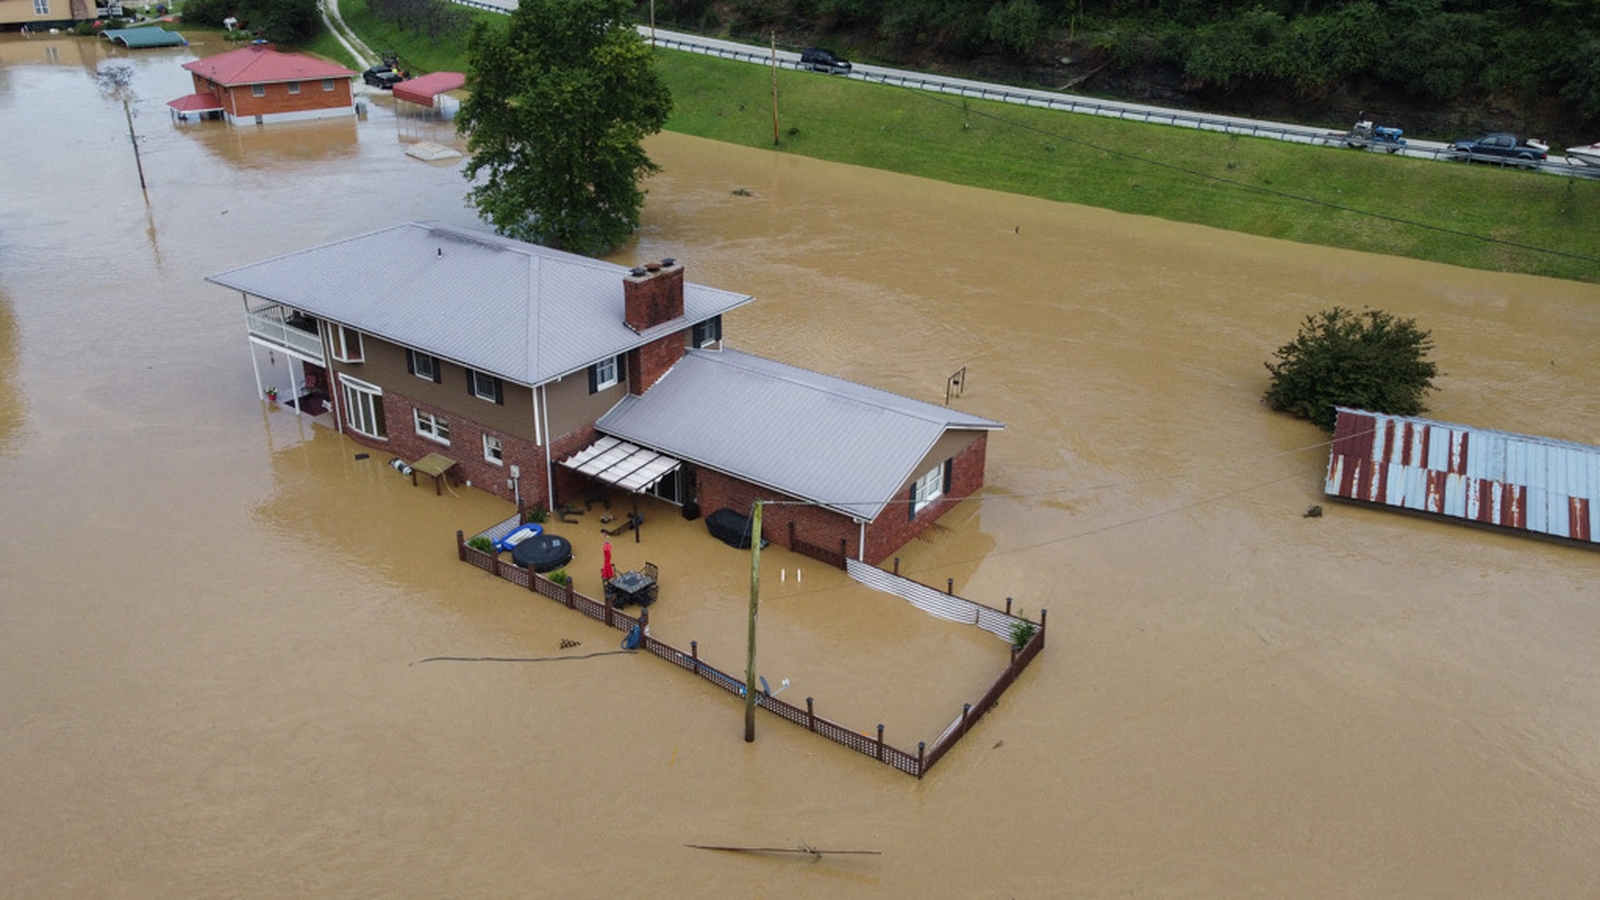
x=1497 y=477
x=844 y=445
x=144 y=36
x=526 y=313
x=260 y=64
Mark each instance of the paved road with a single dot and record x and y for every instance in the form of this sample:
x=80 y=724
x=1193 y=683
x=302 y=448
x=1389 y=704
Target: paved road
x=1137 y=112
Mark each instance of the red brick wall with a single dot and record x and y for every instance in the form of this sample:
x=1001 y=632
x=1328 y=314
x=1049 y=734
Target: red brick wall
x=894 y=526
x=466 y=448
x=647 y=364
x=570 y=486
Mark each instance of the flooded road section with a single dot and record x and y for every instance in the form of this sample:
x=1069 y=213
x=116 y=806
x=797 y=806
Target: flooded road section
x=213 y=615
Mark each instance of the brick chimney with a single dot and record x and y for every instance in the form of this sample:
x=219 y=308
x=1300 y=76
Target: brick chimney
x=653 y=294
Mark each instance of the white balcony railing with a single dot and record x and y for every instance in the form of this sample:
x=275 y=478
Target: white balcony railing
x=268 y=325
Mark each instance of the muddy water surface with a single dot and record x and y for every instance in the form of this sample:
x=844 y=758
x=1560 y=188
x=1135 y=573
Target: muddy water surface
x=215 y=616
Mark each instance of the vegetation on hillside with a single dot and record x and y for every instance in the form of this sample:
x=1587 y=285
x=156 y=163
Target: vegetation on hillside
x=1439 y=65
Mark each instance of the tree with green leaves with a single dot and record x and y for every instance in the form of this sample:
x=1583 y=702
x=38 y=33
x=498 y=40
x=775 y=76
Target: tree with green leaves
x=1369 y=360
x=561 y=100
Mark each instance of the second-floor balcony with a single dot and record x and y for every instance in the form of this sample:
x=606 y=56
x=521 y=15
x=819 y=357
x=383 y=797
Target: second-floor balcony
x=286 y=329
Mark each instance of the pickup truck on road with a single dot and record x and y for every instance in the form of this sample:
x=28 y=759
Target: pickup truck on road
x=1506 y=149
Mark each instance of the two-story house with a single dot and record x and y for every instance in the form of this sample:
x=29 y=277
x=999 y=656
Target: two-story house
x=541 y=373
x=256 y=84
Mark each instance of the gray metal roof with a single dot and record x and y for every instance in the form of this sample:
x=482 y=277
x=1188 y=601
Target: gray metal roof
x=526 y=313
x=844 y=445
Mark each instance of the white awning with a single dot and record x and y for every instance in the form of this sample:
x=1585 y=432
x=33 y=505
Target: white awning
x=628 y=466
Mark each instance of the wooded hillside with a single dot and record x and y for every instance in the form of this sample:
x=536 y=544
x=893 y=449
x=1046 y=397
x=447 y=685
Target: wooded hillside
x=1433 y=67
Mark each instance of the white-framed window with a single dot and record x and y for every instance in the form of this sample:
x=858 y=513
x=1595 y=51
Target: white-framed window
x=363 y=407
x=347 y=344
x=294 y=87
x=928 y=488
x=485 y=386
x=492 y=451
x=327 y=84
x=424 y=366
x=432 y=427
x=41 y=7
x=258 y=90
x=604 y=374
x=707 y=333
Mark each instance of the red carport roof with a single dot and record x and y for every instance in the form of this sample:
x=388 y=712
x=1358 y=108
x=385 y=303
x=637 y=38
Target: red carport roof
x=195 y=103
x=423 y=89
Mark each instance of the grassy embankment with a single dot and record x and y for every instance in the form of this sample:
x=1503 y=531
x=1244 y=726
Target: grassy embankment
x=1362 y=200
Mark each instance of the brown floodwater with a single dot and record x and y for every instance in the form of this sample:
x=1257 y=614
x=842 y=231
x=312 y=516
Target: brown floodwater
x=214 y=616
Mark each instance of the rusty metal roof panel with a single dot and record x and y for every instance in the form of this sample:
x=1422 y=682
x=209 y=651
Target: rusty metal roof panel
x=1517 y=481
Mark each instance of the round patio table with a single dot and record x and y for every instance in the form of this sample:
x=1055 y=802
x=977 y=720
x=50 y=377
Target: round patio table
x=542 y=552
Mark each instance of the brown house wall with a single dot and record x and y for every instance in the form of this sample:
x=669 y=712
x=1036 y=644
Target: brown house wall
x=573 y=407
x=240 y=101
x=386 y=366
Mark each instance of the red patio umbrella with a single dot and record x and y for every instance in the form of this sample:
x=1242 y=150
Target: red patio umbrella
x=606 y=571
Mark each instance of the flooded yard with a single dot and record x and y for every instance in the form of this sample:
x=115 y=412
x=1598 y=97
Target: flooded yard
x=214 y=614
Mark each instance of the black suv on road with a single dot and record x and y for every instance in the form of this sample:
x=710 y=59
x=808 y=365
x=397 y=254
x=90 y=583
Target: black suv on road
x=817 y=59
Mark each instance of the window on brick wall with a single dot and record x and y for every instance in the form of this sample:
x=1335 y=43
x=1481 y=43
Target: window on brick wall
x=432 y=427
x=492 y=451
x=258 y=90
x=930 y=487
x=294 y=87
x=363 y=407
x=327 y=84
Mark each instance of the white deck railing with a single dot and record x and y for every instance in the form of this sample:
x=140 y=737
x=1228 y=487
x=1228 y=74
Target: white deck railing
x=268 y=326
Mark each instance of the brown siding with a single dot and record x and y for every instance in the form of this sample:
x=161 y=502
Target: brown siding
x=241 y=100
x=573 y=407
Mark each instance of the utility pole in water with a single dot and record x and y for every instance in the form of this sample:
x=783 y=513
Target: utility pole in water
x=755 y=601
x=138 y=163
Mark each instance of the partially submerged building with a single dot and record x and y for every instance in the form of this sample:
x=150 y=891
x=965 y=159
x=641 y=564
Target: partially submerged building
x=541 y=374
x=1498 y=478
x=257 y=85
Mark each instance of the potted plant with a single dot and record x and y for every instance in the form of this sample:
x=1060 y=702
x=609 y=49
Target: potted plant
x=272 y=394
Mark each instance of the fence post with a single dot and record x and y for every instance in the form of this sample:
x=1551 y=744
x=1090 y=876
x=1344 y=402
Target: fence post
x=1042 y=614
x=949 y=585
x=922 y=747
x=606 y=605
x=694 y=654
x=1008 y=606
x=531 y=576
x=811 y=716
x=644 y=629
x=896 y=563
x=966 y=712
x=494 y=564
x=461 y=546
x=880 y=743
x=572 y=603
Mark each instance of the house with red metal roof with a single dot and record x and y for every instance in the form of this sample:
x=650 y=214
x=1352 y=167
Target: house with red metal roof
x=257 y=84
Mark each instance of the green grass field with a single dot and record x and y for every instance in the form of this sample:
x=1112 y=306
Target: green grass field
x=1476 y=216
